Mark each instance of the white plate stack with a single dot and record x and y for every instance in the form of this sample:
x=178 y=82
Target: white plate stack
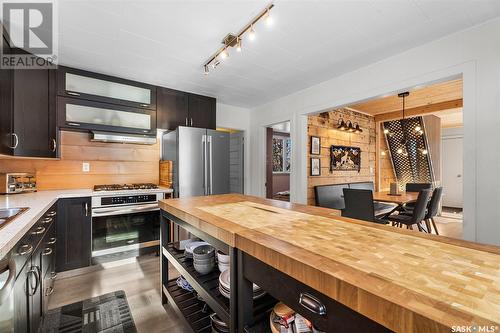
x=225 y=286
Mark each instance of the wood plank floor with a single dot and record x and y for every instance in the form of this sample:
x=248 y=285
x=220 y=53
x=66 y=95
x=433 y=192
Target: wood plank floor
x=141 y=282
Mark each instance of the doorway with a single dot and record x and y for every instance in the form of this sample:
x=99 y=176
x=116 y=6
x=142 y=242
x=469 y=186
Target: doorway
x=452 y=164
x=278 y=161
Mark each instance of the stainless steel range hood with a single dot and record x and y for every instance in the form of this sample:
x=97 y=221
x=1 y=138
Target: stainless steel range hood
x=122 y=138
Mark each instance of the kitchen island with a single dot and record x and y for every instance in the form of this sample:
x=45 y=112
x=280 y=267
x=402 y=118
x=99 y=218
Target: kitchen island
x=343 y=273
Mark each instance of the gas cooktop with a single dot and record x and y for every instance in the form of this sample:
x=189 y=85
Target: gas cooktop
x=125 y=187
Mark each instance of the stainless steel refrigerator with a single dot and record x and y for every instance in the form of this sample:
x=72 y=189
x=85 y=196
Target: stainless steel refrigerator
x=200 y=164
x=200 y=160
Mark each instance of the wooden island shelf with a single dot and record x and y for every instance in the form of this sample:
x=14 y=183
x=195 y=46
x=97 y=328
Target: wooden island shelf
x=369 y=276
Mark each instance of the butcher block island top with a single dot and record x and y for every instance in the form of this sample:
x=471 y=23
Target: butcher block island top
x=404 y=280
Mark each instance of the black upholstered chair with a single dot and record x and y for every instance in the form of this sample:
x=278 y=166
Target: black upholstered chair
x=330 y=196
x=432 y=209
x=414 y=187
x=359 y=205
x=418 y=214
x=417 y=187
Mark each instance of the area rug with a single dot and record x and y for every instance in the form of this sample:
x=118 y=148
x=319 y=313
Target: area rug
x=107 y=313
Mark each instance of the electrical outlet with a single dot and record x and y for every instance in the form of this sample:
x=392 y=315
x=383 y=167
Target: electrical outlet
x=85 y=167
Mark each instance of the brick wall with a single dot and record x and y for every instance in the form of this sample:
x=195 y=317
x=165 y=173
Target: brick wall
x=325 y=125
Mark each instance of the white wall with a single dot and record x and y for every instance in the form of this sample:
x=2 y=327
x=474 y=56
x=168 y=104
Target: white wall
x=473 y=53
x=234 y=117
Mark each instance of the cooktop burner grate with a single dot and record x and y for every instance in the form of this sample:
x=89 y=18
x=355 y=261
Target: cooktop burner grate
x=120 y=187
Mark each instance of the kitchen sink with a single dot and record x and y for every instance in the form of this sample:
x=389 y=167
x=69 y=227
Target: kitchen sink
x=8 y=214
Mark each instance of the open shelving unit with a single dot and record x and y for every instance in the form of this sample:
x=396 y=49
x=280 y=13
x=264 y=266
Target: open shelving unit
x=186 y=303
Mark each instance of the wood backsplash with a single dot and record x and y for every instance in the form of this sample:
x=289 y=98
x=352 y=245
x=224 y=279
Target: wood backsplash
x=325 y=126
x=109 y=163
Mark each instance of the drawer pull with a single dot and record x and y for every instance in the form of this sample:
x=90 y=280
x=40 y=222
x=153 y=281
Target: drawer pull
x=52 y=213
x=38 y=231
x=51 y=241
x=312 y=304
x=47 y=220
x=73 y=93
x=25 y=249
x=47 y=251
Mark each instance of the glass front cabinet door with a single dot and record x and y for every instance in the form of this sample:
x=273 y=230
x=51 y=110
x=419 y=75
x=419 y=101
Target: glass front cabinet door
x=103 y=88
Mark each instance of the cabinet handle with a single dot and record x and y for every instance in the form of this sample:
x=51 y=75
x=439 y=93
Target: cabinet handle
x=73 y=124
x=25 y=249
x=49 y=291
x=51 y=241
x=52 y=213
x=191 y=121
x=72 y=93
x=47 y=251
x=312 y=304
x=33 y=270
x=16 y=141
x=145 y=105
x=186 y=121
x=38 y=231
x=86 y=209
x=47 y=220
x=53 y=275
x=54 y=145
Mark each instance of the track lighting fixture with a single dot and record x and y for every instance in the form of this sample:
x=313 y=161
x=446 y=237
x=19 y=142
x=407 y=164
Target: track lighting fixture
x=234 y=40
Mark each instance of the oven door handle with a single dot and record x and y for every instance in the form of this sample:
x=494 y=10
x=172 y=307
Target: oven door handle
x=96 y=212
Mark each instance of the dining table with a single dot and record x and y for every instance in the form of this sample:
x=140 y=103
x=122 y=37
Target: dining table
x=399 y=199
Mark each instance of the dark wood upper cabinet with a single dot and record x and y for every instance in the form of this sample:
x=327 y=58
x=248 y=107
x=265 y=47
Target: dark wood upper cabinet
x=96 y=87
x=178 y=108
x=34 y=130
x=172 y=108
x=73 y=233
x=28 y=112
x=202 y=111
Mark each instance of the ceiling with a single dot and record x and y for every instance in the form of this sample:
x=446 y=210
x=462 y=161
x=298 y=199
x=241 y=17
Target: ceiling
x=436 y=93
x=167 y=42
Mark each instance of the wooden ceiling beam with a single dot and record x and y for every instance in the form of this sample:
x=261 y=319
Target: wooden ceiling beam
x=420 y=110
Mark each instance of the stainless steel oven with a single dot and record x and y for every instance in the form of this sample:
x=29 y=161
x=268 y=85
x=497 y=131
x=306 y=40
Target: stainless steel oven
x=124 y=225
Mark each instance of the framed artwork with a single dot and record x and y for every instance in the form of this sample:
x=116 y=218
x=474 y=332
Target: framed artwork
x=315 y=166
x=282 y=154
x=315 y=145
x=343 y=158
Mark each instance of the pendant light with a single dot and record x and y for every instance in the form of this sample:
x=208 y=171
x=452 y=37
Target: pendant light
x=404 y=141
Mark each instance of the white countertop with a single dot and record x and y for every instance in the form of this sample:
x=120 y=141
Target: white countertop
x=38 y=203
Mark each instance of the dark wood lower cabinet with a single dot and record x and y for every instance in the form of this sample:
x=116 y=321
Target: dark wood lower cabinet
x=21 y=299
x=73 y=233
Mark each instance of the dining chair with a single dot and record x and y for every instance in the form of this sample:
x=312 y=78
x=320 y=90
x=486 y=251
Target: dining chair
x=418 y=214
x=432 y=209
x=414 y=187
x=359 y=205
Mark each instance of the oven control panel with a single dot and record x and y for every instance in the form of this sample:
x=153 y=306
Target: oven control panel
x=128 y=199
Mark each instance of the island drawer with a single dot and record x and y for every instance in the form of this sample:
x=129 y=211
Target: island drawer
x=326 y=314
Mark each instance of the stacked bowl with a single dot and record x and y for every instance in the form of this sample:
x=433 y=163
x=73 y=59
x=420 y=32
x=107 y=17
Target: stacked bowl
x=225 y=286
x=223 y=261
x=204 y=258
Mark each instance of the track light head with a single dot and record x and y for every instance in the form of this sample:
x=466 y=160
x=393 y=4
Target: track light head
x=206 y=71
x=268 y=18
x=238 y=45
x=251 y=34
x=224 y=54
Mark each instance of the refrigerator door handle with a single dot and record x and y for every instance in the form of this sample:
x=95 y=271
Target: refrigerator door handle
x=211 y=163
x=204 y=161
